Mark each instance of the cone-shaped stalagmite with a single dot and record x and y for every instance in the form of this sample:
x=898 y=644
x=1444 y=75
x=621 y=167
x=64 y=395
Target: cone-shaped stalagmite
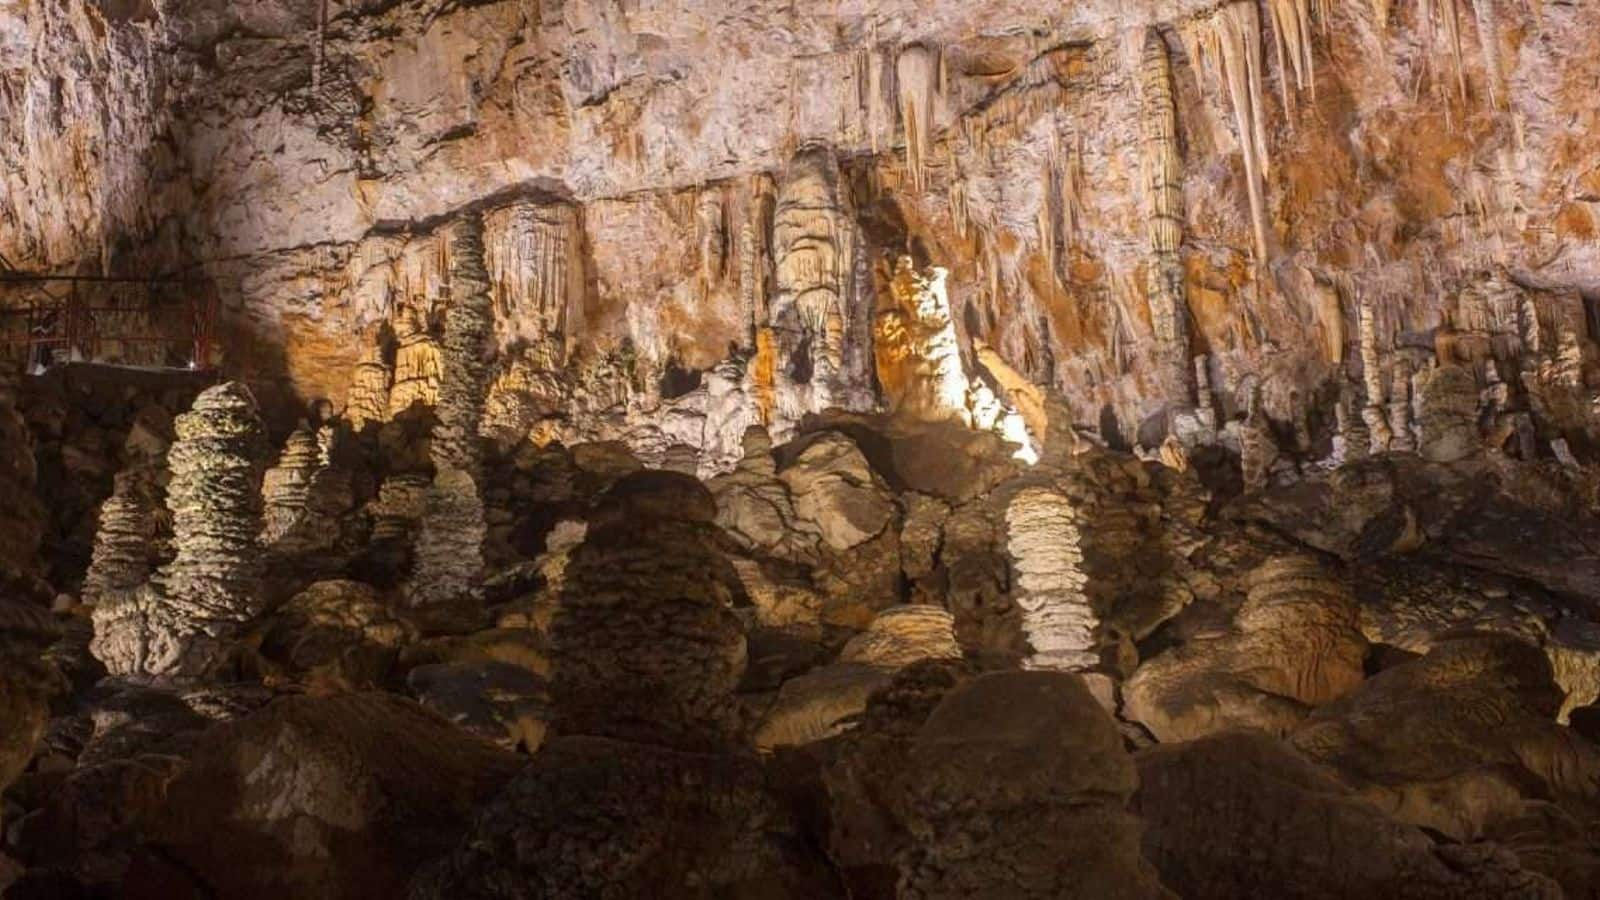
x=185 y=622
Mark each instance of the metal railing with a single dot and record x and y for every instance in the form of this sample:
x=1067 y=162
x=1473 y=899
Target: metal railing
x=141 y=322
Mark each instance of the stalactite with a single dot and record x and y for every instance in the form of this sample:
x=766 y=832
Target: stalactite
x=755 y=254
x=1291 y=26
x=711 y=227
x=1163 y=177
x=1380 y=13
x=416 y=367
x=917 y=86
x=1230 y=43
x=1489 y=40
x=531 y=256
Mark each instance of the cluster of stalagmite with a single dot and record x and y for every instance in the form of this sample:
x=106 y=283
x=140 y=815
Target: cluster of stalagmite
x=1042 y=539
x=449 y=548
x=1163 y=174
x=184 y=623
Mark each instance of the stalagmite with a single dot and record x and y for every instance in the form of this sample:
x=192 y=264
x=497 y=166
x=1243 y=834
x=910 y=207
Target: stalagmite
x=285 y=487
x=449 y=549
x=184 y=624
x=1164 y=196
x=917 y=82
x=368 y=399
x=1372 y=411
x=1042 y=539
x=463 y=369
x=915 y=348
x=1258 y=449
x=122 y=558
x=1230 y=41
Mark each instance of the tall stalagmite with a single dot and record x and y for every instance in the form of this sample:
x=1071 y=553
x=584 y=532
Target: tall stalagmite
x=449 y=548
x=1163 y=172
x=184 y=624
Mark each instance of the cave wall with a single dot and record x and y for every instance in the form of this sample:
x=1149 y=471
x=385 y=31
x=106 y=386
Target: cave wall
x=301 y=155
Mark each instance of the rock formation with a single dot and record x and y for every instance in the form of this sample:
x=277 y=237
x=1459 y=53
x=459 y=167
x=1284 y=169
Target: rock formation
x=1043 y=539
x=647 y=590
x=184 y=622
x=449 y=548
x=1163 y=174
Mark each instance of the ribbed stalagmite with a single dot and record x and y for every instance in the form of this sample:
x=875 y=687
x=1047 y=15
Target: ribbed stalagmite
x=1163 y=173
x=185 y=622
x=1042 y=538
x=285 y=486
x=449 y=549
x=122 y=558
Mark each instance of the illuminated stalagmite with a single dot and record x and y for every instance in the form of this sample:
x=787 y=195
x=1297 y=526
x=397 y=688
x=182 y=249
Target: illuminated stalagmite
x=367 y=401
x=915 y=348
x=1043 y=541
x=185 y=622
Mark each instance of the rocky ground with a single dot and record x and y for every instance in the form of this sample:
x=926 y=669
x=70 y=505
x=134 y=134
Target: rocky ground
x=884 y=659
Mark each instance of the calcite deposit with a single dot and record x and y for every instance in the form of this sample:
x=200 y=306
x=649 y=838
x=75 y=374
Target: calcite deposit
x=870 y=449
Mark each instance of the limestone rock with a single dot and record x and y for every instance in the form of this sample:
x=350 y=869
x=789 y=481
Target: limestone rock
x=820 y=704
x=594 y=817
x=335 y=636
x=27 y=683
x=902 y=635
x=1019 y=779
x=837 y=493
x=1294 y=645
x=326 y=797
x=1311 y=836
x=1458 y=740
x=644 y=644
x=1448 y=414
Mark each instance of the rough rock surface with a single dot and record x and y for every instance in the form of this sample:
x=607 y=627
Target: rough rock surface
x=1019 y=778
x=1294 y=645
x=326 y=797
x=644 y=644
x=1311 y=836
x=183 y=623
x=593 y=817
